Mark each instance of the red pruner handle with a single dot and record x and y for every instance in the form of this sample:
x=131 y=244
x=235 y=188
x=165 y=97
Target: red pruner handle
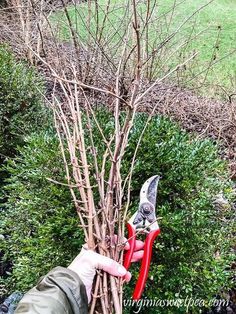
x=145 y=264
x=131 y=240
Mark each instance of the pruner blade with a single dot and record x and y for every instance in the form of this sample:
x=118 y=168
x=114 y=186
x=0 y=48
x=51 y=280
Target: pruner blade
x=145 y=217
x=143 y=221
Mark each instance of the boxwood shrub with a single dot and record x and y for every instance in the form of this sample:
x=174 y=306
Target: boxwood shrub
x=192 y=256
x=21 y=109
x=39 y=225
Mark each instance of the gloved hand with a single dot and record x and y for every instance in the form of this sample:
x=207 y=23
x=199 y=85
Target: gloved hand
x=86 y=263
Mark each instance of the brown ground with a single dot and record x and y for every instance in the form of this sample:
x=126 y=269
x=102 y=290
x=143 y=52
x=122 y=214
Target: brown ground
x=207 y=117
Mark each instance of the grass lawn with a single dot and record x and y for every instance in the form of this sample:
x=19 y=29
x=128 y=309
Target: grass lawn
x=216 y=24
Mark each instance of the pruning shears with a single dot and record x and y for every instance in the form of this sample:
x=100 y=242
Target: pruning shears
x=143 y=221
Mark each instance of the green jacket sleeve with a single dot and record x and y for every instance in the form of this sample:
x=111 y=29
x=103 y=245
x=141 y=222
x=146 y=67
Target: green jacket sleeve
x=60 y=292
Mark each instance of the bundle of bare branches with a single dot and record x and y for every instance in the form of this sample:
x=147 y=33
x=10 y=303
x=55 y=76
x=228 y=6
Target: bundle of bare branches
x=110 y=66
x=89 y=61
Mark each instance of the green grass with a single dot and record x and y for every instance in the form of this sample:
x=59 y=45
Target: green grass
x=219 y=39
x=214 y=45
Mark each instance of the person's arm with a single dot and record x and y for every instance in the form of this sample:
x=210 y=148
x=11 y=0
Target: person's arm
x=68 y=290
x=60 y=291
